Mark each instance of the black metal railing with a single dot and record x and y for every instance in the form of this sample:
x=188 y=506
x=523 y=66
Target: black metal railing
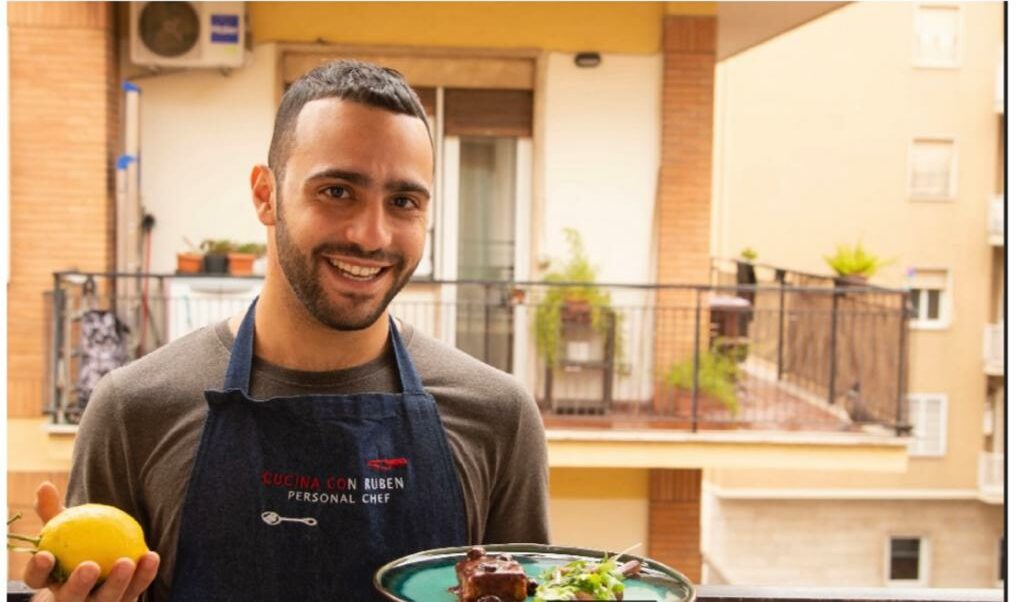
x=768 y=356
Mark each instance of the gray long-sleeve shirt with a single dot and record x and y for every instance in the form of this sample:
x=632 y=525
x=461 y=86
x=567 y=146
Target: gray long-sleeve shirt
x=139 y=436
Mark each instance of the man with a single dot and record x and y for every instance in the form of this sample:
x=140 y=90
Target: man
x=288 y=453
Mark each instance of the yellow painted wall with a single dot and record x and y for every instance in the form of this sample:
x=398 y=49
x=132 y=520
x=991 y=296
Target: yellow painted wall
x=599 y=508
x=625 y=27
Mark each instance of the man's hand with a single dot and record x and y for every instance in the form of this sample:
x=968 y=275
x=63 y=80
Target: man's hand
x=125 y=583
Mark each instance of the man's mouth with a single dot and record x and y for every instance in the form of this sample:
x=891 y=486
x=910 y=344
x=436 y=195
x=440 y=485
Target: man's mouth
x=356 y=272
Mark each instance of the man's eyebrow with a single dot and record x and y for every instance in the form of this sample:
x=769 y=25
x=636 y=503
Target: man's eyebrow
x=361 y=179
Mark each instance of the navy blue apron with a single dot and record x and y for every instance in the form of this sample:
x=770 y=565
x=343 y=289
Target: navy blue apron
x=304 y=497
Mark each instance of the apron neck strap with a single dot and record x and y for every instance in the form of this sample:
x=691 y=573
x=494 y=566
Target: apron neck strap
x=410 y=378
x=239 y=373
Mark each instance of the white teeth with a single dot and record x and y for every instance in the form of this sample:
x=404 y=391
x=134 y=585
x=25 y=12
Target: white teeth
x=355 y=271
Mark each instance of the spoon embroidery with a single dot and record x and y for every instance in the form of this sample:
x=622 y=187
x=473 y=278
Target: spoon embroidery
x=273 y=518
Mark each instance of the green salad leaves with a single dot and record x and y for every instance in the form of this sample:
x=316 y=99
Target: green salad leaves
x=585 y=580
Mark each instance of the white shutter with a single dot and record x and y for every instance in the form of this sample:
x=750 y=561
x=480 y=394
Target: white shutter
x=931 y=168
x=937 y=30
x=928 y=417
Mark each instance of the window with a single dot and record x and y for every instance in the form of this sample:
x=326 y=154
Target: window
x=907 y=561
x=937 y=36
x=929 y=298
x=927 y=415
x=932 y=169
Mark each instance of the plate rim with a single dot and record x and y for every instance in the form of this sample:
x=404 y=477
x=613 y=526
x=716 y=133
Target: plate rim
x=525 y=548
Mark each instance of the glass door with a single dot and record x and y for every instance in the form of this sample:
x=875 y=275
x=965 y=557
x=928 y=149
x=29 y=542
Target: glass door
x=486 y=247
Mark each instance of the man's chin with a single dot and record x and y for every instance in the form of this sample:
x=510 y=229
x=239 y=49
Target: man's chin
x=350 y=316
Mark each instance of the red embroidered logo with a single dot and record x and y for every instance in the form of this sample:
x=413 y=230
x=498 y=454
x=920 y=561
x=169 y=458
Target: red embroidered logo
x=385 y=464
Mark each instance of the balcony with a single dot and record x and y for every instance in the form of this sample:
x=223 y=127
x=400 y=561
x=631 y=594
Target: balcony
x=993 y=351
x=991 y=466
x=792 y=354
x=996 y=220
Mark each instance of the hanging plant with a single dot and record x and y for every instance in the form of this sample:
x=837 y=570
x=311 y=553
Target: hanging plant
x=563 y=304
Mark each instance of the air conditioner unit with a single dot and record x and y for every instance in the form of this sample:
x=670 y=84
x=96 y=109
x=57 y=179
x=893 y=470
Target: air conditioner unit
x=188 y=34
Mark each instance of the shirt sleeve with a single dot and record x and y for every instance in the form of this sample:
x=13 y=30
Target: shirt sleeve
x=100 y=464
x=519 y=504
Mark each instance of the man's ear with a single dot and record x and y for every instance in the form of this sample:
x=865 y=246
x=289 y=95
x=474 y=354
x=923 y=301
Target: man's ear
x=264 y=194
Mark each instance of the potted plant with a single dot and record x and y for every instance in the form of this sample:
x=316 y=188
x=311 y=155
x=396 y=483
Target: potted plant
x=241 y=258
x=569 y=306
x=191 y=261
x=716 y=377
x=215 y=258
x=854 y=265
x=745 y=274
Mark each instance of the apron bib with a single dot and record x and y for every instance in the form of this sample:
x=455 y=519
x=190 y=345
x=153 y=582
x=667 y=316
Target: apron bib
x=304 y=497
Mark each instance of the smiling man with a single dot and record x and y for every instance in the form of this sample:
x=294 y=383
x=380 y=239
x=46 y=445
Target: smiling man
x=287 y=453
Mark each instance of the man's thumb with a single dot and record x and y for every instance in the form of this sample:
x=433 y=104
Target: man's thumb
x=48 y=504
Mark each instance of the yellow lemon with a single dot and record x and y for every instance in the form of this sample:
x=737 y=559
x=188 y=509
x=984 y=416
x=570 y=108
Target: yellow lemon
x=95 y=532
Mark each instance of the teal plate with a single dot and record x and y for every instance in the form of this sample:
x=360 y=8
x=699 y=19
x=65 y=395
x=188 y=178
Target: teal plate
x=427 y=576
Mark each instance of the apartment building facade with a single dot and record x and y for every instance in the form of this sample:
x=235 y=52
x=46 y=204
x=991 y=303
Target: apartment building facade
x=896 y=143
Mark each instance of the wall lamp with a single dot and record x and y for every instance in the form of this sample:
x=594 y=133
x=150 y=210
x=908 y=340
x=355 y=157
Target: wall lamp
x=588 y=59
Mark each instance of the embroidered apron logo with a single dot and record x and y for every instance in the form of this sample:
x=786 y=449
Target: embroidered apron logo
x=333 y=489
x=273 y=518
x=387 y=463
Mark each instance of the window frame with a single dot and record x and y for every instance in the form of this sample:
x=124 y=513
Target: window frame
x=919 y=62
x=945 y=318
x=923 y=561
x=943 y=400
x=954 y=181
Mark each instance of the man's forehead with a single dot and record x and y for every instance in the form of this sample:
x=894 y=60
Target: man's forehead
x=334 y=135
x=345 y=114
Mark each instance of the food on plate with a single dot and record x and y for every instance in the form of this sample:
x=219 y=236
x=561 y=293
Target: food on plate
x=95 y=532
x=587 y=580
x=491 y=578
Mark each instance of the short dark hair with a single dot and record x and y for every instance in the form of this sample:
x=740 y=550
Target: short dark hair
x=371 y=85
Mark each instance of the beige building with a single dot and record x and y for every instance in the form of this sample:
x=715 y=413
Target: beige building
x=823 y=139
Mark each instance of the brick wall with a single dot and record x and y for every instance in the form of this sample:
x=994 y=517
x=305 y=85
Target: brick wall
x=684 y=197
x=63 y=121
x=21 y=497
x=673 y=532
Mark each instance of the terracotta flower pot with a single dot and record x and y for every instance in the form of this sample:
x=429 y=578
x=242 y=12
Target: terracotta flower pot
x=852 y=281
x=240 y=264
x=190 y=263
x=575 y=310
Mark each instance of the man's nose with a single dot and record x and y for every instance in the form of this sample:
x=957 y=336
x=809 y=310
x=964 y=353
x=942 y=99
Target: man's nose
x=369 y=226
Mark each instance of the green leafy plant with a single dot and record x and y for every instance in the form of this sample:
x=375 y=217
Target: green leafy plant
x=716 y=376
x=855 y=261
x=252 y=248
x=217 y=246
x=547 y=324
x=748 y=254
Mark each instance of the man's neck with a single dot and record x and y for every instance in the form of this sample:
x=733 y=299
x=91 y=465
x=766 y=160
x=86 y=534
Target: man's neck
x=289 y=337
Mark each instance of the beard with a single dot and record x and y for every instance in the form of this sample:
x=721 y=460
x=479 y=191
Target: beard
x=301 y=271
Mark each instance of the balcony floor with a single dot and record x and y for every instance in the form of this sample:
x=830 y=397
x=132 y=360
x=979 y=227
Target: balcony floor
x=763 y=405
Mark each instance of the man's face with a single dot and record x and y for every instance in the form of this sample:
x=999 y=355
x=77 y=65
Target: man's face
x=352 y=209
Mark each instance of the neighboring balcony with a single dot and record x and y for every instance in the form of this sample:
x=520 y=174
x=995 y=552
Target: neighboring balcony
x=991 y=466
x=996 y=220
x=994 y=335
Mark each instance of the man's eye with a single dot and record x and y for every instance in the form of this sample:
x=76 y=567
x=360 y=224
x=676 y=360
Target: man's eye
x=336 y=192
x=404 y=202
